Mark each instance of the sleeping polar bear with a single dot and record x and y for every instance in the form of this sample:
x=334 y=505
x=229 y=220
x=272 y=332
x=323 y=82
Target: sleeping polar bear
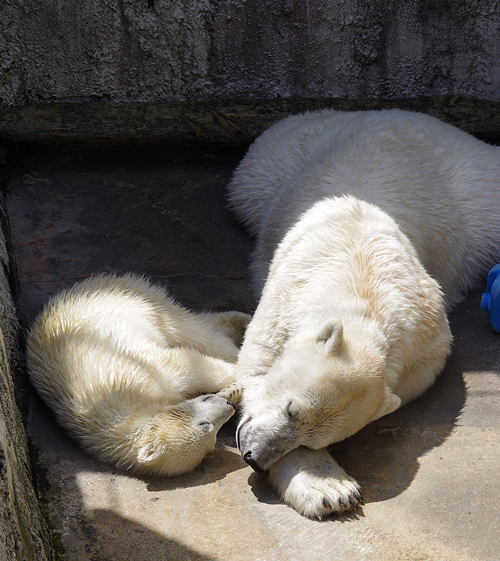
x=357 y=218
x=124 y=368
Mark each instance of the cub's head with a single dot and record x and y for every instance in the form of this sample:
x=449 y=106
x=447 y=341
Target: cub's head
x=175 y=441
x=322 y=389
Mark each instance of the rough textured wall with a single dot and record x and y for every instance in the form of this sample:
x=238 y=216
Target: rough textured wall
x=162 y=50
x=23 y=534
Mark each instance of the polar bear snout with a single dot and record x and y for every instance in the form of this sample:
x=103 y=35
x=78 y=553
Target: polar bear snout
x=246 y=454
x=216 y=399
x=210 y=411
x=238 y=431
x=262 y=445
x=241 y=441
x=251 y=462
x=260 y=455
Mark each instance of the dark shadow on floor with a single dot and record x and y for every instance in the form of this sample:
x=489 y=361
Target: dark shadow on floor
x=111 y=537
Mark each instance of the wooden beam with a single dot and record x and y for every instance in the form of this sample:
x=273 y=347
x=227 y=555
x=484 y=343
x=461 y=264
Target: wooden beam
x=214 y=122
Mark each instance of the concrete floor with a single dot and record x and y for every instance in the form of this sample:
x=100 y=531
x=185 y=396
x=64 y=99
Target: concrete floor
x=429 y=472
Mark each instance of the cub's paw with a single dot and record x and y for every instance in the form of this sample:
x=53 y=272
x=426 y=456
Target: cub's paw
x=232 y=393
x=234 y=324
x=312 y=483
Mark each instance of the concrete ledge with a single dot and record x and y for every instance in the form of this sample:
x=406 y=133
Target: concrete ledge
x=214 y=122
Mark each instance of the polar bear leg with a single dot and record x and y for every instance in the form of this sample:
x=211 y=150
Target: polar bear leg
x=314 y=484
x=232 y=324
x=204 y=374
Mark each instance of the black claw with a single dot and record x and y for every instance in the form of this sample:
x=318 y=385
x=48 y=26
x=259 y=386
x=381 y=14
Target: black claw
x=327 y=503
x=343 y=504
x=358 y=495
x=353 y=501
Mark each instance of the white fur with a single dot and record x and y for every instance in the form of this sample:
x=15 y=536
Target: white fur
x=122 y=366
x=355 y=215
x=441 y=185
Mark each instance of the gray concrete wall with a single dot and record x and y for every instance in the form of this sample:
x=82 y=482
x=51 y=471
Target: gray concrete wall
x=166 y=50
x=23 y=532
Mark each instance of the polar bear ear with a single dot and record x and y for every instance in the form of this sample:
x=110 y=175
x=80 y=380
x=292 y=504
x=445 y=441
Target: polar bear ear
x=149 y=452
x=330 y=335
x=390 y=404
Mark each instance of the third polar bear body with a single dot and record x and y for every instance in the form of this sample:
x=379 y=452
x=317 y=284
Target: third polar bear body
x=356 y=217
x=440 y=184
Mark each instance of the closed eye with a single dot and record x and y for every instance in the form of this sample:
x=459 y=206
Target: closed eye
x=325 y=419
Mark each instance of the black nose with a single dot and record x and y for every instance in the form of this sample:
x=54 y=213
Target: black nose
x=252 y=463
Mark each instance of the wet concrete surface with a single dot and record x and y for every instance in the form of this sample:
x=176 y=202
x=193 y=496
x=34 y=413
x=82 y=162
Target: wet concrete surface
x=429 y=472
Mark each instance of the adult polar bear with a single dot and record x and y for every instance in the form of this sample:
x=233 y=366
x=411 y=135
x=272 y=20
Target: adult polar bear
x=355 y=215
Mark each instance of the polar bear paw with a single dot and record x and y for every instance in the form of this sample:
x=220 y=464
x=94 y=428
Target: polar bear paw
x=312 y=483
x=232 y=393
x=233 y=324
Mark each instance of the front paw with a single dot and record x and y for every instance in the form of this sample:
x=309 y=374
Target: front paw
x=312 y=483
x=232 y=393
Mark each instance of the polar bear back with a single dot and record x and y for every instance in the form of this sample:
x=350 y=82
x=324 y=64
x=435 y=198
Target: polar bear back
x=119 y=336
x=349 y=259
x=441 y=185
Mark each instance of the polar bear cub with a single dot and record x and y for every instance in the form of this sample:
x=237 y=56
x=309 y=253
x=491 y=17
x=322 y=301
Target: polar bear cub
x=125 y=369
x=361 y=219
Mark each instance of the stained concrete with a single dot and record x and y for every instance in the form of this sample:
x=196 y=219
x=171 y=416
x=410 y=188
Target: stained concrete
x=429 y=472
x=67 y=51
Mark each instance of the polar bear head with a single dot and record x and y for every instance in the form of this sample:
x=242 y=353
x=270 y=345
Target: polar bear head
x=176 y=440
x=323 y=388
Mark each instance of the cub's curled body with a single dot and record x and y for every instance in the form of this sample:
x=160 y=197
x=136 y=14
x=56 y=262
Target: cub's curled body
x=124 y=369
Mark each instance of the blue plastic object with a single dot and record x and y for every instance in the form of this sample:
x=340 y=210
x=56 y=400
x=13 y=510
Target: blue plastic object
x=490 y=302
